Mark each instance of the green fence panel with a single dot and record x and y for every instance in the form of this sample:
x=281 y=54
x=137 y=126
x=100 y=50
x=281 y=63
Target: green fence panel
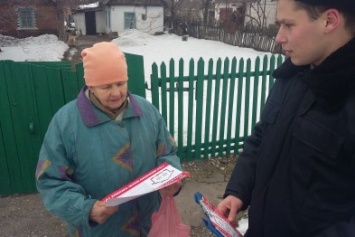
x=208 y=109
x=10 y=116
x=233 y=77
x=163 y=93
x=255 y=96
x=199 y=106
x=264 y=79
x=216 y=103
x=79 y=69
x=224 y=104
x=52 y=64
x=30 y=94
x=25 y=124
x=241 y=80
x=190 y=108
x=71 y=85
x=172 y=98
x=5 y=182
x=273 y=64
x=155 y=86
x=180 y=100
x=7 y=149
x=136 y=82
x=55 y=89
x=247 y=98
x=42 y=96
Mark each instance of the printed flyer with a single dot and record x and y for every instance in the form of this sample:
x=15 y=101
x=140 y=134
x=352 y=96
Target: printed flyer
x=158 y=178
x=214 y=220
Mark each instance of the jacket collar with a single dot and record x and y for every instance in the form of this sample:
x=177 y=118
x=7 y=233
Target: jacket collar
x=332 y=81
x=92 y=116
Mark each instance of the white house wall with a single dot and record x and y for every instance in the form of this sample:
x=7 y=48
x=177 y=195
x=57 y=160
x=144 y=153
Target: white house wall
x=219 y=6
x=100 y=22
x=154 y=21
x=270 y=12
x=79 y=19
x=80 y=24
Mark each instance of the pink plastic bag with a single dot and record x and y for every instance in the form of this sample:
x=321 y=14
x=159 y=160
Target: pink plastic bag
x=167 y=221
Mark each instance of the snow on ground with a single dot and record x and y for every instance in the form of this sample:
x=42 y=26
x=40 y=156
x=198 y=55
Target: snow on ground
x=42 y=48
x=156 y=49
x=164 y=47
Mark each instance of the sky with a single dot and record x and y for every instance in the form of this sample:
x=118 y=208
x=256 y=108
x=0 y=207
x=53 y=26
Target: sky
x=156 y=49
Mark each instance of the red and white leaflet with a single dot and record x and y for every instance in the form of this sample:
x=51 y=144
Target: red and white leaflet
x=217 y=219
x=158 y=178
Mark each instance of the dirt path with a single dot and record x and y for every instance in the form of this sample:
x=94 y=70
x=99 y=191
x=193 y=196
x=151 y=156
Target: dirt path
x=82 y=42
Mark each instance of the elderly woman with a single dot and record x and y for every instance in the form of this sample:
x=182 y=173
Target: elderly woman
x=99 y=142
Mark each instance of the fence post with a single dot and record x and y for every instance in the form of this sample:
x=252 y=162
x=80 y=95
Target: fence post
x=136 y=82
x=154 y=82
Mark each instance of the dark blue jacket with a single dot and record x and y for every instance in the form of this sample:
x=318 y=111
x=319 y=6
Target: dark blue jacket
x=297 y=170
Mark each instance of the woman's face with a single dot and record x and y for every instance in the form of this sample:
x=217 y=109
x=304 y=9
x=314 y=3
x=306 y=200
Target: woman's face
x=111 y=96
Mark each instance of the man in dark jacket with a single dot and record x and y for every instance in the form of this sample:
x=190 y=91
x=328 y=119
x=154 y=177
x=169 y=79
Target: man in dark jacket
x=297 y=171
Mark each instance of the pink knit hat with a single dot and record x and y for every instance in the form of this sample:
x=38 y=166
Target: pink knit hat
x=104 y=63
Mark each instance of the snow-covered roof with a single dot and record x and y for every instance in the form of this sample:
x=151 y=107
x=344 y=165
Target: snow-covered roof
x=88 y=6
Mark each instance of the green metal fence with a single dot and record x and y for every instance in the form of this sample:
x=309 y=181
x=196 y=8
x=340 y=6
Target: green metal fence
x=30 y=94
x=212 y=111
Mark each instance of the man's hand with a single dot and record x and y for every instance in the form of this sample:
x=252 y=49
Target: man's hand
x=171 y=190
x=99 y=212
x=230 y=207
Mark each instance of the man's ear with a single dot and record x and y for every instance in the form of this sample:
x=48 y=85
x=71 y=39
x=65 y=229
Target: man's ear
x=332 y=19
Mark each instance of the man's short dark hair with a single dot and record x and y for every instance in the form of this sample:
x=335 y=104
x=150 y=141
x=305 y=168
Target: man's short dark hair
x=314 y=12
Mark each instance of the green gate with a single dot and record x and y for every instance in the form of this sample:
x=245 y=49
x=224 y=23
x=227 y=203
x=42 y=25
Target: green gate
x=211 y=109
x=30 y=94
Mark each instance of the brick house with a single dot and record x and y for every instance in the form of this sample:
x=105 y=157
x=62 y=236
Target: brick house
x=21 y=19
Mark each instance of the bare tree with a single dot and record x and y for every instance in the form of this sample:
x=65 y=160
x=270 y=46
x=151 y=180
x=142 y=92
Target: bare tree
x=256 y=16
x=173 y=6
x=206 y=7
x=258 y=19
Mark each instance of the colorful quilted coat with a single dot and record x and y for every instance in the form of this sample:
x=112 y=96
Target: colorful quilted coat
x=86 y=155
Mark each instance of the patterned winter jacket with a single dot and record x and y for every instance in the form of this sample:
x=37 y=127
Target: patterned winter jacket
x=86 y=155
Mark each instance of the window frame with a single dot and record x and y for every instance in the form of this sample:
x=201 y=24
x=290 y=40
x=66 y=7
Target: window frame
x=129 y=18
x=26 y=18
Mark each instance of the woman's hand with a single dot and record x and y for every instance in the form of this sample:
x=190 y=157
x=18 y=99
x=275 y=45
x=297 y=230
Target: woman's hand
x=171 y=190
x=99 y=212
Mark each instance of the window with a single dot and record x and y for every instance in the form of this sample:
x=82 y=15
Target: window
x=129 y=20
x=108 y=18
x=26 y=18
